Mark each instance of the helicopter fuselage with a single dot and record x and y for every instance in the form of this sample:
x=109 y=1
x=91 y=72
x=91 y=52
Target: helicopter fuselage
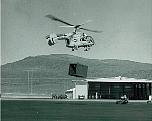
x=73 y=40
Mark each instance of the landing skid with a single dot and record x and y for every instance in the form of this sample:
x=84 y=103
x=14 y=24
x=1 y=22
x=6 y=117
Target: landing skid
x=76 y=48
x=87 y=48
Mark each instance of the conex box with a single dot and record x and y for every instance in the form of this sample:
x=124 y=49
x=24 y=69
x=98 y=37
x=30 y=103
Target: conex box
x=78 y=70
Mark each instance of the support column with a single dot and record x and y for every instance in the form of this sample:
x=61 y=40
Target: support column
x=141 y=91
x=137 y=91
x=123 y=89
x=134 y=89
x=100 y=90
x=149 y=88
x=145 y=90
x=109 y=91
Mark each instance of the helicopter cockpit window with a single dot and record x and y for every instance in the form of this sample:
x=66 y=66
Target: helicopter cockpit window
x=68 y=41
x=48 y=36
x=83 y=37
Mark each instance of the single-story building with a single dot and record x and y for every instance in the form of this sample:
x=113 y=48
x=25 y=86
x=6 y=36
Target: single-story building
x=112 y=88
x=70 y=93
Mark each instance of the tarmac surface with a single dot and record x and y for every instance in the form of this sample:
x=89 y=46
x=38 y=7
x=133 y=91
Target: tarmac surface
x=68 y=100
x=73 y=110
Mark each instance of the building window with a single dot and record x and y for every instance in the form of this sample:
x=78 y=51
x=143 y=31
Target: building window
x=116 y=86
x=128 y=87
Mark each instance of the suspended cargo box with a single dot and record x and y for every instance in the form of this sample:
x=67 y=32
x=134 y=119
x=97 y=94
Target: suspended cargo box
x=78 y=70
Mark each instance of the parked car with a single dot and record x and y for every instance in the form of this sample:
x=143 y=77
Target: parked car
x=81 y=97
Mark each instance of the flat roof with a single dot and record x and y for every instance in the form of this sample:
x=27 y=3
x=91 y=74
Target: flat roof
x=119 y=79
x=70 y=90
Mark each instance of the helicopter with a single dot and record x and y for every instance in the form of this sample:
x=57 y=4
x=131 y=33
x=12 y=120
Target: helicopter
x=75 y=39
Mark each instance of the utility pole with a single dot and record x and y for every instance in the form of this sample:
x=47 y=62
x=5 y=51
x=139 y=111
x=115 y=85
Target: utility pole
x=30 y=80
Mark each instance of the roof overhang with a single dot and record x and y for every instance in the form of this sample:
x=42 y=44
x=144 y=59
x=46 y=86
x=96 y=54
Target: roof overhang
x=119 y=80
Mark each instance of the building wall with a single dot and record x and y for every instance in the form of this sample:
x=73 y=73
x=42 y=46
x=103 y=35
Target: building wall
x=100 y=90
x=74 y=95
x=69 y=95
x=112 y=90
x=81 y=90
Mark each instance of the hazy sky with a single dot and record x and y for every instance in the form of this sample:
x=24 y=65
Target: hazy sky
x=127 y=26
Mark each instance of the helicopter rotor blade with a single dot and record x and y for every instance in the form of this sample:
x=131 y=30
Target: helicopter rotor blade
x=96 y=31
x=67 y=26
x=71 y=25
x=78 y=26
x=57 y=19
x=85 y=22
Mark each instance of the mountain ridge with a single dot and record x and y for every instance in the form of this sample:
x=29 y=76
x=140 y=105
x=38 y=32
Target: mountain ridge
x=47 y=71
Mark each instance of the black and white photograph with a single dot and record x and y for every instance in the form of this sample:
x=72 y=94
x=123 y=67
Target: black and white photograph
x=76 y=60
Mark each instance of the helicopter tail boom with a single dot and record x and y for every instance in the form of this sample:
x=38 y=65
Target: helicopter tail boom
x=52 y=38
